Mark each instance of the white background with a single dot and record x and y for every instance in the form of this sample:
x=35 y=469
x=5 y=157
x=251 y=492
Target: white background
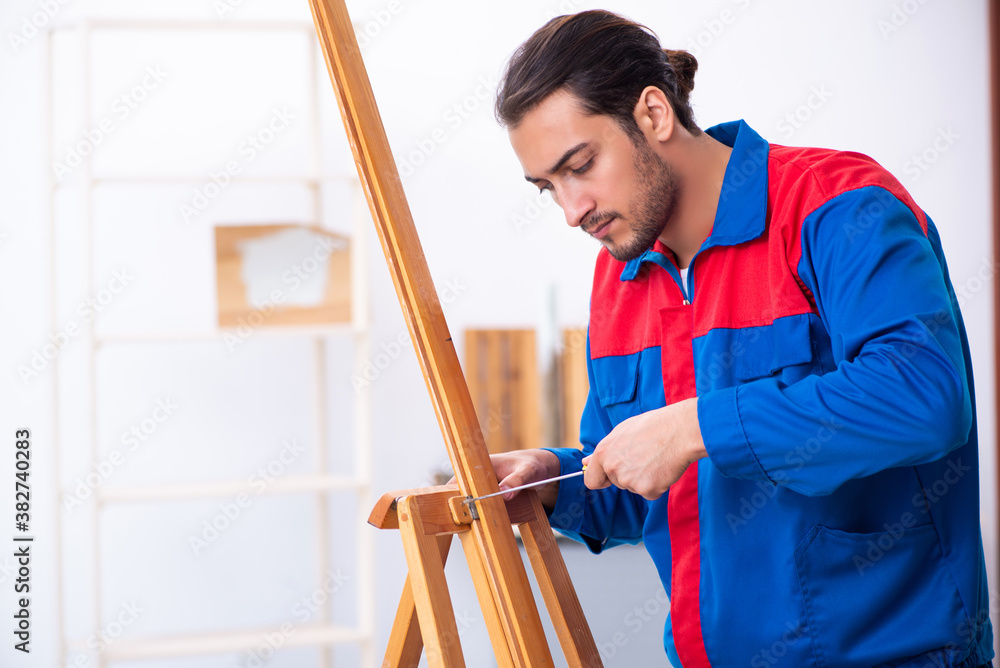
x=895 y=75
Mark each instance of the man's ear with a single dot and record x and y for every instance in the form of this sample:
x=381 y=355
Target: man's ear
x=654 y=115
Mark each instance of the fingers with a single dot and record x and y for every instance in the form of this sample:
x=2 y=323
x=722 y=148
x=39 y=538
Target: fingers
x=508 y=472
x=526 y=466
x=514 y=469
x=515 y=479
x=595 y=476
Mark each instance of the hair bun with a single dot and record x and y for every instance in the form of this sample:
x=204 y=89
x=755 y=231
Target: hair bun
x=685 y=65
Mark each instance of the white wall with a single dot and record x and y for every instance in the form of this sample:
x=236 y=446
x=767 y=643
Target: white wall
x=894 y=74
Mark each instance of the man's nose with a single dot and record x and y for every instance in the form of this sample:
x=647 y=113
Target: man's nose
x=576 y=205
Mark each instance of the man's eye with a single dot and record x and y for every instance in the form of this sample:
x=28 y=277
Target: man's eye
x=542 y=189
x=586 y=166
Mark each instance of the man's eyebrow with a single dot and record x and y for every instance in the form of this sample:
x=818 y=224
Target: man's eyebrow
x=562 y=161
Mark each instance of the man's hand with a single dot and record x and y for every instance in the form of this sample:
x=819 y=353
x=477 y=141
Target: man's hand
x=523 y=466
x=649 y=452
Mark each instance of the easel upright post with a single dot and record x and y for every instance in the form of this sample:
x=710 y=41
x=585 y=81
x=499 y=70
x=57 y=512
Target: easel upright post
x=501 y=580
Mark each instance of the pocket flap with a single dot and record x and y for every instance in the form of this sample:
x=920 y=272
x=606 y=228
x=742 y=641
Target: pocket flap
x=616 y=377
x=769 y=348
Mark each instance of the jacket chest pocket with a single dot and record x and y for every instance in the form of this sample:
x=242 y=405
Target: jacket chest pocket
x=784 y=348
x=617 y=380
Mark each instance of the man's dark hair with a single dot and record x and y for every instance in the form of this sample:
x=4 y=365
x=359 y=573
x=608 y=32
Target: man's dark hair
x=603 y=59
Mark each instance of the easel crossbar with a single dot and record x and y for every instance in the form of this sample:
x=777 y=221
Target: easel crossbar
x=426 y=521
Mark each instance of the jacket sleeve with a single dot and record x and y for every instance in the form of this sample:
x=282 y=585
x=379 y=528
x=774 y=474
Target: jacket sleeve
x=598 y=518
x=899 y=395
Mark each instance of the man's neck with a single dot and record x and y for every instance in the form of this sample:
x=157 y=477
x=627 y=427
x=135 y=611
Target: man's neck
x=700 y=166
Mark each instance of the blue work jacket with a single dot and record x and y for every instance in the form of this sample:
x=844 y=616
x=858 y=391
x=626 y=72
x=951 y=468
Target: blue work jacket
x=835 y=521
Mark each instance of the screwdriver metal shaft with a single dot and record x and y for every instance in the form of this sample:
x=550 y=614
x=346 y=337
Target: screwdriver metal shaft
x=530 y=484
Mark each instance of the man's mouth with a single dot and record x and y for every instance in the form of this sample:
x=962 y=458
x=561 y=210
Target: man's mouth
x=601 y=229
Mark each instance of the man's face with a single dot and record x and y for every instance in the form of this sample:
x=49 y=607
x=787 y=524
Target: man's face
x=617 y=190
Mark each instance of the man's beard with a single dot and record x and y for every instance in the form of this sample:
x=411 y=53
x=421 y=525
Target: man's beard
x=651 y=207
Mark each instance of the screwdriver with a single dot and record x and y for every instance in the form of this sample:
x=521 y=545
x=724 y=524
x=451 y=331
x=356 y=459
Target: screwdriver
x=530 y=484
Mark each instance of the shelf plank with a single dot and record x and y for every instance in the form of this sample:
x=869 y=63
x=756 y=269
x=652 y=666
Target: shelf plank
x=218 y=334
x=171 y=646
x=283 y=485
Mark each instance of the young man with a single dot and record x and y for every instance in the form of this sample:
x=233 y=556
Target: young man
x=781 y=400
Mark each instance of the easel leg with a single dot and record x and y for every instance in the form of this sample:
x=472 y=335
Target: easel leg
x=405 y=643
x=557 y=590
x=486 y=601
x=430 y=589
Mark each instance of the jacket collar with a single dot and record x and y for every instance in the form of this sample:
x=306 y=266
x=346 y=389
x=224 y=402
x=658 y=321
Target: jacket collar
x=742 y=211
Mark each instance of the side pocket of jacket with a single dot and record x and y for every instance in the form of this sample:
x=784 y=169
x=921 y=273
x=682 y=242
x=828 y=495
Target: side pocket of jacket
x=871 y=598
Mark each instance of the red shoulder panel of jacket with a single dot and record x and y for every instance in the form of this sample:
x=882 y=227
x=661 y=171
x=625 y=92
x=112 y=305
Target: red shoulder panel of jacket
x=747 y=285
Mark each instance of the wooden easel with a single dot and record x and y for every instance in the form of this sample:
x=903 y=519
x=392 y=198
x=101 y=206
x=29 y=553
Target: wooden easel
x=428 y=517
